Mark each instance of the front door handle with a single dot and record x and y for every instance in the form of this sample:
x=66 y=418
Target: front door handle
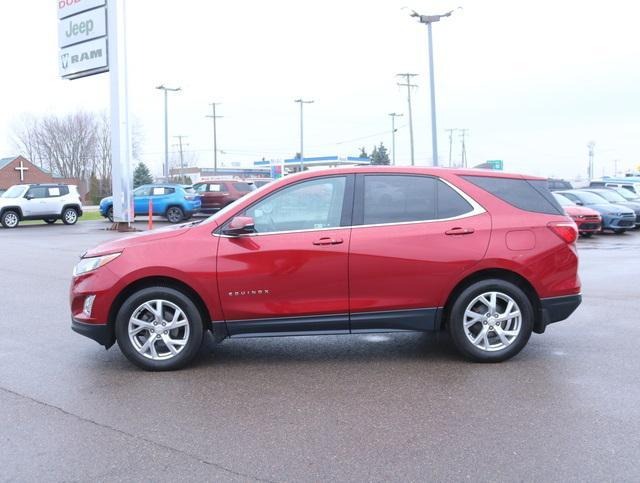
x=459 y=231
x=328 y=241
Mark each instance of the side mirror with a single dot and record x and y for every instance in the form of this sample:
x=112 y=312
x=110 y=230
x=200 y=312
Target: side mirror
x=579 y=203
x=240 y=225
x=29 y=197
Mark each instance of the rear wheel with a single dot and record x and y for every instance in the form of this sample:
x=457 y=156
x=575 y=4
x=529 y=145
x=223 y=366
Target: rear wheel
x=110 y=214
x=175 y=214
x=10 y=219
x=69 y=216
x=159 y=329
x=491 y=321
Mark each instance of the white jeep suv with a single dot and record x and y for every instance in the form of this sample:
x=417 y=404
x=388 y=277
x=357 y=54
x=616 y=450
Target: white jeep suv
x=48 y=202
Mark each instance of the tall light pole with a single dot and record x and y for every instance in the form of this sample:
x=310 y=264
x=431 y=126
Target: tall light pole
x=429 y=19
x=215 y=136
x=409 y=85
x=166 y=125
x=591 y=147
x=393 y=136
x=302 y=103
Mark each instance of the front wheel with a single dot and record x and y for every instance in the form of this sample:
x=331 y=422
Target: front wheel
x=491 y=321
x=159 y=329
x=619 y=231
x=586 y=234
x=10 y=219
x=175 y=214
x=69 y=216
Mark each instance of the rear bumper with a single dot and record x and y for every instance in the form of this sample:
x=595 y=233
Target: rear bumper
x=101 y=333
x=555 y=309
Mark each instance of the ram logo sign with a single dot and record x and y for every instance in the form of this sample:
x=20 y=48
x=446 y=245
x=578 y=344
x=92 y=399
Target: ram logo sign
x=84 y=59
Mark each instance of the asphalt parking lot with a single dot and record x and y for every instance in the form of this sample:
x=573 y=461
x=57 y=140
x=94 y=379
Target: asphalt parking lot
x=369 y=407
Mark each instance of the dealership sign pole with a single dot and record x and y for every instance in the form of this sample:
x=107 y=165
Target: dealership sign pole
x=92 y=40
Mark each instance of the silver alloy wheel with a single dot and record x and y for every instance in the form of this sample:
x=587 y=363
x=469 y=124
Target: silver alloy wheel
x=174 y=215
x=158 y=330
x=71 y=216
x=492 y=321
x=11 y=219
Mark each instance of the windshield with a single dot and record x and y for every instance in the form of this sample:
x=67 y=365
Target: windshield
x=589 y=198
x=563 y=201
x=14 y=192
x=610 y=195
x=625 y=193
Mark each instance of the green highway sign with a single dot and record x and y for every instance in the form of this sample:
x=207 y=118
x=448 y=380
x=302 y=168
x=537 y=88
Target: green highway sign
x=496 y=164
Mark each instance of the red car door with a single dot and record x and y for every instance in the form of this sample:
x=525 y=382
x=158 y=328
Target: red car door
x=412 y=238
x=292 y=274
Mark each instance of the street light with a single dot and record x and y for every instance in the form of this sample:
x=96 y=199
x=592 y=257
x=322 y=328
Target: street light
x=393 y=136
x=166 y=126
x=302 y=103
x=429 y=19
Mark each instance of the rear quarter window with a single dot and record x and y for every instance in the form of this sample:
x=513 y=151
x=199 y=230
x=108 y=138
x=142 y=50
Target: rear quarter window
x=525 y=194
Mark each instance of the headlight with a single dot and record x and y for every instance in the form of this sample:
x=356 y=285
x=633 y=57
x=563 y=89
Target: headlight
x=88 y=264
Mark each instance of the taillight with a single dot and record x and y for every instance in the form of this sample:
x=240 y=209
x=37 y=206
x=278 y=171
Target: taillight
x=566 y=230
x=189 y=197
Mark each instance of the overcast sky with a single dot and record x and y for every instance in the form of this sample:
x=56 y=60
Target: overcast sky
x=533 y=81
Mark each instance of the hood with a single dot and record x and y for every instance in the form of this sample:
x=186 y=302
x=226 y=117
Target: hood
x=609 y=208
x=633 y=205
x=139 y=239
x=580 y=211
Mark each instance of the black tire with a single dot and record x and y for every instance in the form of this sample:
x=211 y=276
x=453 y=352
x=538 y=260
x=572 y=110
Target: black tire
x=587 y=235
x=10 y=219
x=174 y=214
x=457 y=317
x=619 y=231
x=50 y=221
x=110 y=214
x=69 y=216
x=194 y=320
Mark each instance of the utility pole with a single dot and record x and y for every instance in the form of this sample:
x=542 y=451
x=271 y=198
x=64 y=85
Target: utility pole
x=591 y=147
x=409 y=85
x=450 y=131
x=393 y=136
x=213 y=116
x=180 y=145
x=463 y=136
x=166 y=125
x=615 y=167
x=302 y=103
x=428 y=20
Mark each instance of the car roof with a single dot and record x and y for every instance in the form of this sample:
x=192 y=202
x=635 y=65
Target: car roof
x=432 y=171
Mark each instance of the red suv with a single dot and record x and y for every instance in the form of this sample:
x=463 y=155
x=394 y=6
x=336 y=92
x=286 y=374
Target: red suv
x=217 y=194
x=488 y=256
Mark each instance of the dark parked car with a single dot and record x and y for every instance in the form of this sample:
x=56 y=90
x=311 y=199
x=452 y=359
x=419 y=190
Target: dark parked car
x=219 y=193
x=559 y=184
x=613 y=197
x=488 y=256
x=614 y=217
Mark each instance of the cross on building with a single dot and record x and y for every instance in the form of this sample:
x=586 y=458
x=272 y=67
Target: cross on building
x=22 y=168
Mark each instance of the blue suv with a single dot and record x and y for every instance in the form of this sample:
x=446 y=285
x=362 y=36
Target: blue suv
x=173 y=201
x=614 y=217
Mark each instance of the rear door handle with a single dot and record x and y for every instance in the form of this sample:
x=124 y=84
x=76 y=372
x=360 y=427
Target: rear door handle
x=328 y=241
x=459 y=231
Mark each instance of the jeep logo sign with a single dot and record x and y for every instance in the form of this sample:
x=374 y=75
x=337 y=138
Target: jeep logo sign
x=90 y=57
x=82 y=27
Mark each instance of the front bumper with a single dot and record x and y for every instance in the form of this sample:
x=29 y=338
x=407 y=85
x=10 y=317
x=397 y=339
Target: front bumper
x=555 y=309
x=103 y=334
x=619 y=222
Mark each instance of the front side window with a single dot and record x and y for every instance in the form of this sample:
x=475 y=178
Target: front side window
x=37 y=192
x=142 y=191
x=308 y=205
x=397 y=199
x=200 y=188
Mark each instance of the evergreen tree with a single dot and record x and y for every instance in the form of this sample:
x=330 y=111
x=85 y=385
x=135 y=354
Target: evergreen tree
x=363 y=153
x=380 y=155
x=141 y=175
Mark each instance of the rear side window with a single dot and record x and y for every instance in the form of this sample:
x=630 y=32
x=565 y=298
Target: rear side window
x=54 y=191
x=528 y=195
x=397 y=199
x=450 y=203
x=243 y=187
